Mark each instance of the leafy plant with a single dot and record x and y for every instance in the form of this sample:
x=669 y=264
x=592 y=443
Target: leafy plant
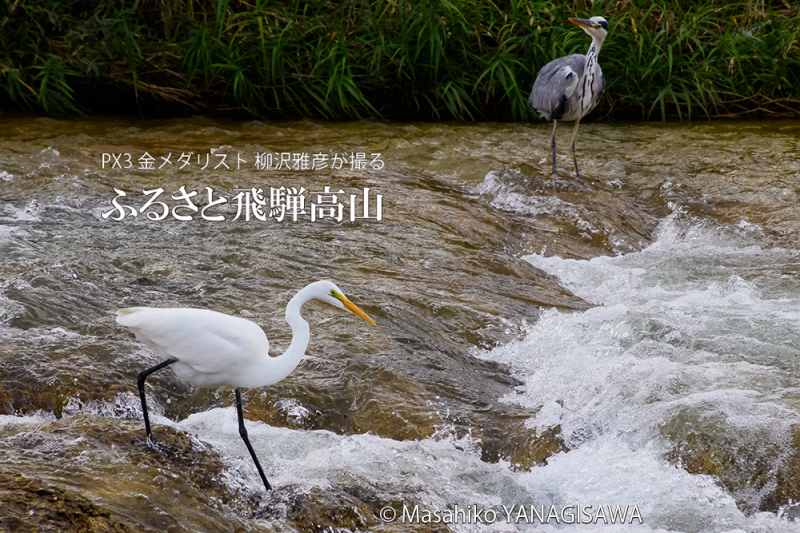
x=402 y=59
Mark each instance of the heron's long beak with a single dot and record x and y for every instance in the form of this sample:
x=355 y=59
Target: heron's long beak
x=581 y=23
x=353 y=308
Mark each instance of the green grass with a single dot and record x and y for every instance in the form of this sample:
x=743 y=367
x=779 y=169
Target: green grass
x=402 y=59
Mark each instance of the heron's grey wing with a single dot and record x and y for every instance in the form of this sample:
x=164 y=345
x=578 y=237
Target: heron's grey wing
x=555 y=84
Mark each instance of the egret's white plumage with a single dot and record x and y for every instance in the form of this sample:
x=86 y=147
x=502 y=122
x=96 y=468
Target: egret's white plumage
x=209 y=348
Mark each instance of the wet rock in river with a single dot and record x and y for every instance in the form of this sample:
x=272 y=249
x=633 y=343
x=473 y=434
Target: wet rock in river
x=319 y=509
x=509 y=439
x=353 y=503
x=590 y=218
x=90 y=473
x=50 y=371
x=761 y=472
x=362 y=399
x=31 y=504
x=390 y=405
x=787 y=482
x=97 y=474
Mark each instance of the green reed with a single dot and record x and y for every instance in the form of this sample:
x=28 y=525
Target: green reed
x=404 y=59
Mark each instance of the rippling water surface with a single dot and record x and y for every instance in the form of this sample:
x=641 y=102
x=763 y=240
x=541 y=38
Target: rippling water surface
x=629 y=338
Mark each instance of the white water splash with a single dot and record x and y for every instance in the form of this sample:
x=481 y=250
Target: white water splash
x=500 y=189
x=26 y=420
x=29 y=213
x=443 y=473
x=293 y=410
x=700 y=323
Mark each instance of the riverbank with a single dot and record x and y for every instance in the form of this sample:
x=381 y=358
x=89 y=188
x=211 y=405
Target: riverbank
x=397 y=60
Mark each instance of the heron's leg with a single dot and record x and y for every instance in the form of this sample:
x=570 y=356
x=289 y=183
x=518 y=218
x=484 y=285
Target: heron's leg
x=553 y=146
x=140 y=381
x=574 y=158
x=243 y=434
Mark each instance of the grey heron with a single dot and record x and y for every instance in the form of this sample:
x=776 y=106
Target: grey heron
x=569 y=87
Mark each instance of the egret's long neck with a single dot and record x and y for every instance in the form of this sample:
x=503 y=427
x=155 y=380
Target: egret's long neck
x=301 y=333
x=273 y=369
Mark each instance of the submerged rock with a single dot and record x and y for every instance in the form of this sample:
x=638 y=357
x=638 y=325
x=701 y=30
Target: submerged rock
x=91 y=473
x=525 y=448
x=353 y=503
x=590 y=218
x=32 y=504
x=365 y=399
x=762 y=473
x=94 y=473
x=786 y=493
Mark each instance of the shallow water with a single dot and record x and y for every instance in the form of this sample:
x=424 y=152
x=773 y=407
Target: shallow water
x=644 y=317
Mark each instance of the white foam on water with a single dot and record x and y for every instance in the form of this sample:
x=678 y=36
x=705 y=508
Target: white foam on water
x=11 y=217
x=29 y=213
x=319 y=458
x=26 y=420
x=657 y=339
x=124 y=405
x=9 y=309
x=293 y=410
x=441 y=473
x=5 y=232
x=678 y=329
x=505 y=198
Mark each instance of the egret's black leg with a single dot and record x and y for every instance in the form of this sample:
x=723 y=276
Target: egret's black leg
x=574 y=157
x=553 y=146
x=243 y=434
x=142 y=377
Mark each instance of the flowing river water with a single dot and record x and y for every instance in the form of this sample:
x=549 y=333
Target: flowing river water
x=628 y=338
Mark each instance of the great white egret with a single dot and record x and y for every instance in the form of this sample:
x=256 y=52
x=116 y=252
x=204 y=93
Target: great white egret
x=208 y=348
x=569 y=87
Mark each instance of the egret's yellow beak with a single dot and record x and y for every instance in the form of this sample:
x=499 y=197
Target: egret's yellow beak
x=581 y=23
x=353 y=308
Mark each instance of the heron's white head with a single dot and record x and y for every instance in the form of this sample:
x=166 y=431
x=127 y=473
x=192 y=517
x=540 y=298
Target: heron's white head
x=596 y=27
x=330 y=293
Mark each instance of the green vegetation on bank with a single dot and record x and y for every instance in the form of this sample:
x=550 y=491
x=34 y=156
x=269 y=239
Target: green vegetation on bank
x=403 y=59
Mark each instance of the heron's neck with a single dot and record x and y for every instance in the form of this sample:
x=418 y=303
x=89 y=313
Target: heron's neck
x=273 y=369
x=587 y=97
x=591 y=55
